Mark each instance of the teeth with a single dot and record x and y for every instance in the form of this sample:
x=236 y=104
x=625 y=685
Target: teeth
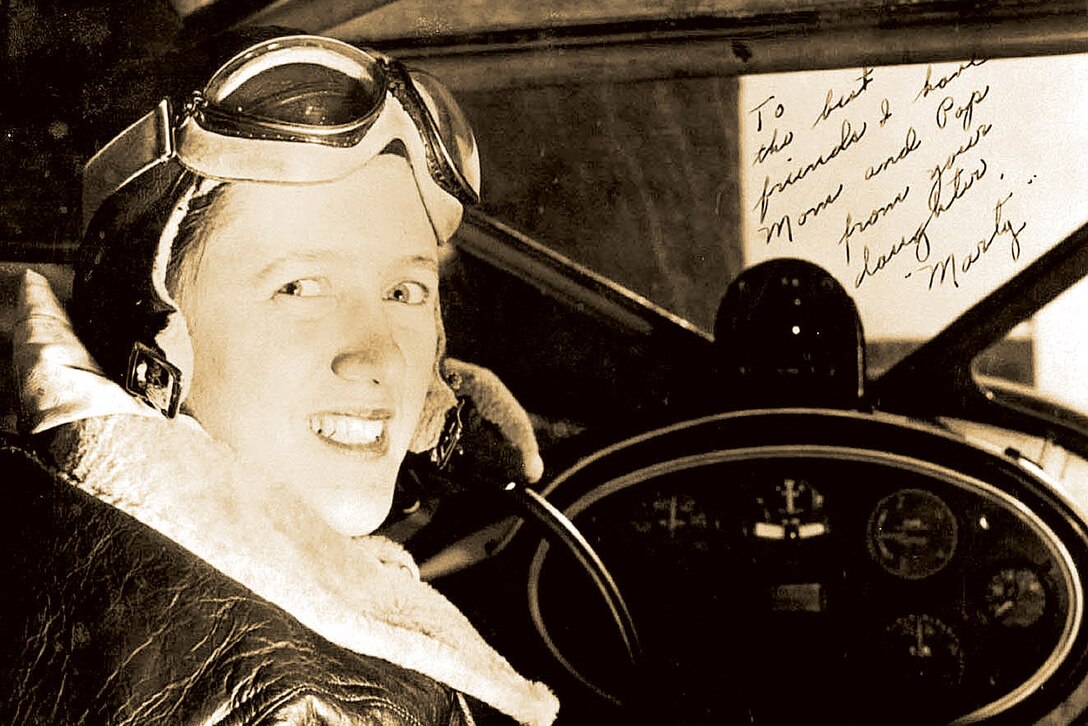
x=349 y=430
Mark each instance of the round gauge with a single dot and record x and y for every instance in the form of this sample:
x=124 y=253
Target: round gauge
x=922 y=651
x=1015 y=597
x=789 y=509
x=912 y=533
x=675 y=515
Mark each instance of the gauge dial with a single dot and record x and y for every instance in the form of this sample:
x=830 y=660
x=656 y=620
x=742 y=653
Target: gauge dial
x=676 y=515
x=790 y=509
x=1015 y=597
x=922 y=652
x=912 y=533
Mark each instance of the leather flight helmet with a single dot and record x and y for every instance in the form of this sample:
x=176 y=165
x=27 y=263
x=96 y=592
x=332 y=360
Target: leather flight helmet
x=140 y=188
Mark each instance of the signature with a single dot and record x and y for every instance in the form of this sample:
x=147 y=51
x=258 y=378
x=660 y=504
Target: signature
x=951 y=267
x=831 y=105
x=847 y=138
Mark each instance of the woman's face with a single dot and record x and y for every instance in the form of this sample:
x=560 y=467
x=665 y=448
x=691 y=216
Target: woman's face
x=312 y=314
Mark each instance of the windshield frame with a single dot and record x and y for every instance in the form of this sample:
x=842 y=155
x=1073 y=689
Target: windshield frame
x=771 y=37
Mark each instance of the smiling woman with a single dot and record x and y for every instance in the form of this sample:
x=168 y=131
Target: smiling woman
x=255 y=346
x=338 y=301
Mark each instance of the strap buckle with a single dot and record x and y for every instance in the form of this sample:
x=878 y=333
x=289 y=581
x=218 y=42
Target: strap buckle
x=449 y=442
x=153 y=379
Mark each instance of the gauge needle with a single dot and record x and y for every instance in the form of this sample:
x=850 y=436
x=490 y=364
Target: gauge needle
x=672 y=515
x=922 y=649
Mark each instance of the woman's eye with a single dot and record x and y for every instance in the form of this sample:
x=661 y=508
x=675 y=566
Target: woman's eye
x=409 y=293
x=306 y=287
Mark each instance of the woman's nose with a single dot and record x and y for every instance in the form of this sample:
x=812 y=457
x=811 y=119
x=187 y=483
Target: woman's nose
x=370 y=352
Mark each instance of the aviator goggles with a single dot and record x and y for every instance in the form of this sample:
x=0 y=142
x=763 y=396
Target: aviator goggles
x=303 y=109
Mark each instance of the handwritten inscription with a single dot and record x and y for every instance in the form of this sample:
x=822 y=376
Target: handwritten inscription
x=889 y=174
x=832 y=104
x=951 y=267
x=875 y=216
x=847 y=138
x=973 y=141
x=945 y=192
x=911 y=143
x=963 y=113
x=773 y=146
x=929 y=85
x=873 y=262
x=885 y=111
x=784 y=224
x=777 y=109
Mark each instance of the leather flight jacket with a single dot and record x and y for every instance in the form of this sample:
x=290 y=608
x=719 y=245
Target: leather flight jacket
x=106 y=621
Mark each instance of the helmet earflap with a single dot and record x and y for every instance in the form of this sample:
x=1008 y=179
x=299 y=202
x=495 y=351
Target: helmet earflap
x=120 y=304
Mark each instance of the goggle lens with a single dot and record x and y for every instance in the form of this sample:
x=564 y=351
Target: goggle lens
x=303 y=95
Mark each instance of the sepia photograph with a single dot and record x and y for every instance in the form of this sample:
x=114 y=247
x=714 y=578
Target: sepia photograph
x=470 y=363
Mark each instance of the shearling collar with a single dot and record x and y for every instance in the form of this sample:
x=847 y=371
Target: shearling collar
x=361 y=593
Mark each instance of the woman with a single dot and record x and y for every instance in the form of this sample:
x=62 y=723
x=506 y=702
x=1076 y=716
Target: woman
x=259 y=274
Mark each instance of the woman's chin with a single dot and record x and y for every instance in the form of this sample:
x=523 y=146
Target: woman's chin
x=355 y=513
x=349 y=493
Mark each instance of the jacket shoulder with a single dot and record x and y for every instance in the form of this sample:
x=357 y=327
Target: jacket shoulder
x=110 y=622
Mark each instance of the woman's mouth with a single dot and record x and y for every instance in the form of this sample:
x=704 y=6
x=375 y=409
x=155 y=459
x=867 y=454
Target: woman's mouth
x=354 y=431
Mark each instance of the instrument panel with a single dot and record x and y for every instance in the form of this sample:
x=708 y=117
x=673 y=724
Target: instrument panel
x=769 y=587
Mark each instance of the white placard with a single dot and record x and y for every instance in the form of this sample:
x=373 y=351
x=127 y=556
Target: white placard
x=921 y=187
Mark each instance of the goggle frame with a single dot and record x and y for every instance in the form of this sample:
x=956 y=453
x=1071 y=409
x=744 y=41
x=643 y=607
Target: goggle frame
x=201 y=136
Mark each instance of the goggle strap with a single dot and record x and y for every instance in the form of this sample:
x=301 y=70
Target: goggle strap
x=143 y=145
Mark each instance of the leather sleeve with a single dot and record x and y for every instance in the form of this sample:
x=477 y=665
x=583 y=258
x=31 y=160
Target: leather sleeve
x=107 y=622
